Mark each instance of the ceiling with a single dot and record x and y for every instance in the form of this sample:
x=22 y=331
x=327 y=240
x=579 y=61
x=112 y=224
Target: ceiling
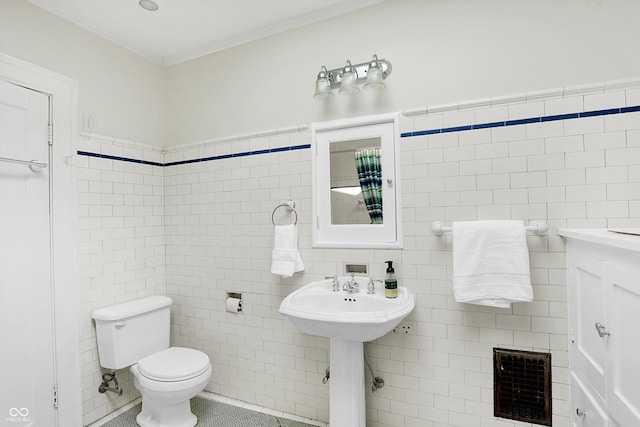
x=181 y=30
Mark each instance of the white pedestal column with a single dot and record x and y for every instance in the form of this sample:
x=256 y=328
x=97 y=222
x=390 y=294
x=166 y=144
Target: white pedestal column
x=346 y=386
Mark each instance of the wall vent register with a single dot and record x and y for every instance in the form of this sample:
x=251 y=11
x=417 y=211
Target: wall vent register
x=522 y=385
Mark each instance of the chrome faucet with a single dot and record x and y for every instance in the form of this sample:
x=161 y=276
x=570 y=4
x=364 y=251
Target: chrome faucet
x=351 y=286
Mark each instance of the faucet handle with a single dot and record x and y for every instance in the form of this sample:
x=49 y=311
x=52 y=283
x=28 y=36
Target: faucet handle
x=371 y=286
x=335 y=284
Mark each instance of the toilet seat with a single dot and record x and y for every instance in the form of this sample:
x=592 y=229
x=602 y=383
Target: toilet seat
x=174 y=364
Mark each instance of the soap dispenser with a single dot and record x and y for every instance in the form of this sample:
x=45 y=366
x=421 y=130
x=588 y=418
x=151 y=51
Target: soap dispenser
x=390 y=282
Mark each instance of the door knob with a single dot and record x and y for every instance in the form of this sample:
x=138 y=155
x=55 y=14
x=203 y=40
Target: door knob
x=602 y=330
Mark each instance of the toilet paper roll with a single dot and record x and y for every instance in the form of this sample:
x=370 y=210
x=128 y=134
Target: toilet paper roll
x=234 y=305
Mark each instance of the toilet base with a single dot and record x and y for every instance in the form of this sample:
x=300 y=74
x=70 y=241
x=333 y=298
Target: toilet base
x=156 y=414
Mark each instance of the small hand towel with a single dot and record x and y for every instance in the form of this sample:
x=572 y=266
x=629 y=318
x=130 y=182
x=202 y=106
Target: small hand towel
x=491 y=263
x=285 y=258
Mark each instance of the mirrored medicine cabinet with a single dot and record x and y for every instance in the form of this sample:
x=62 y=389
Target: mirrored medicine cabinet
x=356 y=183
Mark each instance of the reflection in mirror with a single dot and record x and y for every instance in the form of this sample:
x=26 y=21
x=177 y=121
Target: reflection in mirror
x=356 y=182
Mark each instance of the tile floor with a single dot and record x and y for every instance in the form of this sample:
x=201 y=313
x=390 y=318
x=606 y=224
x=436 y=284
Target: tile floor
x=212 y=413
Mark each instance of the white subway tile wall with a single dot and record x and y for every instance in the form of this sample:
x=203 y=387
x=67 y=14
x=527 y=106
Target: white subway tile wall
x=121 y=250
x=216 y=236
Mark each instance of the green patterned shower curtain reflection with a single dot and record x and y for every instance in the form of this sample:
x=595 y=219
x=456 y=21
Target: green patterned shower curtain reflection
x=370 y=176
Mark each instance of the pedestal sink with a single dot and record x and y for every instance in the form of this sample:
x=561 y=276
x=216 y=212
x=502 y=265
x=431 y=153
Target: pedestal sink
x=349 y=320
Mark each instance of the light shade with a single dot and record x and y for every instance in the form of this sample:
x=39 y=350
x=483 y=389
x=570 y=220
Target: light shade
x=323 y=86
x=348 y=86
x=374 y=76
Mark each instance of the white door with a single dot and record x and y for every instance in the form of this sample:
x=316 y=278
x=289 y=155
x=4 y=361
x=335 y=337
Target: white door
x=623 y=347
x=27 y=365
x=586 y=297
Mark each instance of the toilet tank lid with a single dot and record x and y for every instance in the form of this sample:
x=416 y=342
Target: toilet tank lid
x=132 y=308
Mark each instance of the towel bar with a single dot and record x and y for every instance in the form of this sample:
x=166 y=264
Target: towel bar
x=536 y=227
x=34 y=165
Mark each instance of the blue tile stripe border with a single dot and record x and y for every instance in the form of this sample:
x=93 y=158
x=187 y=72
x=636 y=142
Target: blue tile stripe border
x=122 y=159
x=204 y=159
x=488 y=125
x=540 y=119
x=241 y=154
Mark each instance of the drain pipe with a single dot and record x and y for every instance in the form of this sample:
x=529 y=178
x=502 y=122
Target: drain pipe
x=106 y=379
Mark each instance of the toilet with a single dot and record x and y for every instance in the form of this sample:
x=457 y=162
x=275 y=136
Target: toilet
x=136 y=335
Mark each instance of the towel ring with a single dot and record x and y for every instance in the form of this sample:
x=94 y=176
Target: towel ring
x=289 y=204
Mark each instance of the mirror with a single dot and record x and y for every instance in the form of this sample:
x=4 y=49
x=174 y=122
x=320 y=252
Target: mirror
x=348 y=161
x=356 y=185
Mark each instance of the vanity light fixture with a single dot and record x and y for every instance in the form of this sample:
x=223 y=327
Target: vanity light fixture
x=347 y=78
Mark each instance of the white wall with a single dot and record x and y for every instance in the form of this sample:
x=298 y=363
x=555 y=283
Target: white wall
x=441 y=51
x=123 y=92
x=579 y=172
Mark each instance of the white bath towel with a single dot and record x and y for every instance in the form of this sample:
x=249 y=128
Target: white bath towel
x=285 y=258
x=491 y=263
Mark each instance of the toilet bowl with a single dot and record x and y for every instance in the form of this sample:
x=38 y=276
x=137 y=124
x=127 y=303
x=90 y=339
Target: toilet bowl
x=167 y=381
x=135 y=334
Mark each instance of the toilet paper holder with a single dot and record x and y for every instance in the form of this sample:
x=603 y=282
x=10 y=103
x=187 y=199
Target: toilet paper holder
x=233 y=302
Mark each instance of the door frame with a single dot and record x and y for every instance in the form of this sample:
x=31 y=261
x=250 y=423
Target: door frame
x=64 y=93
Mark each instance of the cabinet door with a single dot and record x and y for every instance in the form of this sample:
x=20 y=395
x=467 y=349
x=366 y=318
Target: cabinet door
x=586 y=300
x=585 y=409
x=623 y=344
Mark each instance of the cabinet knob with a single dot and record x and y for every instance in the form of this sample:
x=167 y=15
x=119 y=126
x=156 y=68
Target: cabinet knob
x=580 y=412
x=602 y=330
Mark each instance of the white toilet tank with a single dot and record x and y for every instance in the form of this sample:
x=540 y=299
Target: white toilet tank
x=130 y=331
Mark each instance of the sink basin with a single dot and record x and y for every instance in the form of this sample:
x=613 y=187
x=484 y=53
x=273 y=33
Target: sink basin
x=318 y=310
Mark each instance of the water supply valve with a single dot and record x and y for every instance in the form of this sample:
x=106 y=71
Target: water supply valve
x=106 y=379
